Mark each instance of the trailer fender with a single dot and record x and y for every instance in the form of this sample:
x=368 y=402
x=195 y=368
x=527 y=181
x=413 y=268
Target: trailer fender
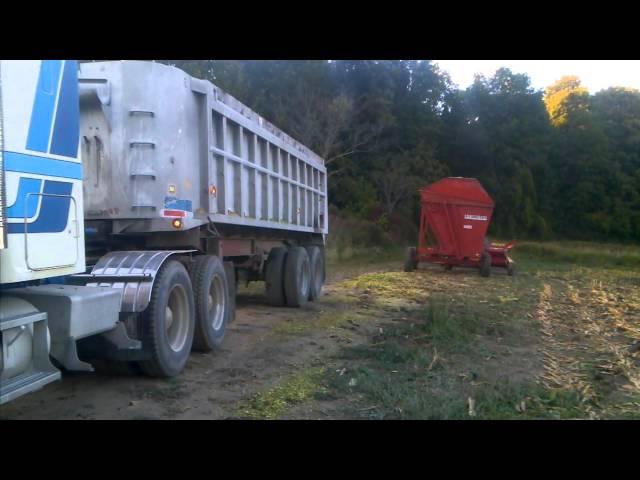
x=133 y=272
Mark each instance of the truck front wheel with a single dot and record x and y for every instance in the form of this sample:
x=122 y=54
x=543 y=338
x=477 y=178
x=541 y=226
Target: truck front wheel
x=169 y=322
x=211 y=293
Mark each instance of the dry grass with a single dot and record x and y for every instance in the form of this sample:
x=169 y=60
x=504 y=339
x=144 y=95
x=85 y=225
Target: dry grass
x=561 y=339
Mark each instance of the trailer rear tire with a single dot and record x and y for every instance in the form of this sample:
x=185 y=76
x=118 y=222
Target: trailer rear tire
x=274 y=276
x=485 y=265
x=297 y=277
x=232 y=283
x=211 y=293
x=169 y=322
x=410 y=263
x=317 y=272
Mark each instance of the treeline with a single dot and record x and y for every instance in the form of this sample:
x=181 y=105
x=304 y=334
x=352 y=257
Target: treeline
x=559 y=163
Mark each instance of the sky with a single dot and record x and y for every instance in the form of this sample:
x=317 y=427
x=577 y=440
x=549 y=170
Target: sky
x=595 y=74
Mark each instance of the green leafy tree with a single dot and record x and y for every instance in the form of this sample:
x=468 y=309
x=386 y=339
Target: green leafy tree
x=557 y=162
x=498 y=131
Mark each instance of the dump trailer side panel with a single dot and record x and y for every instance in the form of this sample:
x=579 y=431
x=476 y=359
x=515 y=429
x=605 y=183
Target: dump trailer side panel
x=159 y=144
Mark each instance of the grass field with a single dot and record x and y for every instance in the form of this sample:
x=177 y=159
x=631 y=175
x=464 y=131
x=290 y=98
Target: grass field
x=560 y=339
x=580 y=253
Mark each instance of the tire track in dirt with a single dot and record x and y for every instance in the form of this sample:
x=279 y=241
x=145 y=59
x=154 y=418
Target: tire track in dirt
x=585 y=343
x=617 y=332
x=561 y=357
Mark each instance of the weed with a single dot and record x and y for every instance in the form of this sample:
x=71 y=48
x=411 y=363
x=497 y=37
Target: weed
x=292 y=391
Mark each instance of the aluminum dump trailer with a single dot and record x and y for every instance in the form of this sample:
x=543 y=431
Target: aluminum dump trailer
x=133 y=199
x=158 y=144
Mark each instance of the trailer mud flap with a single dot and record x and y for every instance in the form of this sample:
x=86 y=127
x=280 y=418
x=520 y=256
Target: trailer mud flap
x=133 y=272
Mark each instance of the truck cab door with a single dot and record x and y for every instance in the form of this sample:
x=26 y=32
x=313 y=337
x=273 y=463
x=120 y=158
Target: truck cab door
x=52 y=240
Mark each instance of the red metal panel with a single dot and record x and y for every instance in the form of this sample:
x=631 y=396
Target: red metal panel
x=470 y=225
x=457 y=190
x=458 y=212
x=437 y=217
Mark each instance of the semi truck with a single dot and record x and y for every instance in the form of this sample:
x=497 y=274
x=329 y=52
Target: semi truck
x=133 y=200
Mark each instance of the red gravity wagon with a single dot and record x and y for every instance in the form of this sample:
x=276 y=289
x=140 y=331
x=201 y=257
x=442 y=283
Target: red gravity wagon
x=454 y=218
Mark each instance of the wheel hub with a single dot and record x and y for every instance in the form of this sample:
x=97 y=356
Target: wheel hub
x=177 y=318
x=216 y=302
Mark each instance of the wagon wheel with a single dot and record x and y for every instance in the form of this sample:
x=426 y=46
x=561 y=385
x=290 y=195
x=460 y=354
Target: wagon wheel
x=411 y=262
x=485 y=264
x=511 y=267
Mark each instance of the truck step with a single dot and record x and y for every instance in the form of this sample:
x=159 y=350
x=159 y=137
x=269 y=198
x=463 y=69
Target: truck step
x=25 y=383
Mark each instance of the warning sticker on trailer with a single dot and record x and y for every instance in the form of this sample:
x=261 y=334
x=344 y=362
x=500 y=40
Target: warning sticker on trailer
x=468 y=227
x=482 y=218
x=171 y=213
x=173 y=203
x=177 y=208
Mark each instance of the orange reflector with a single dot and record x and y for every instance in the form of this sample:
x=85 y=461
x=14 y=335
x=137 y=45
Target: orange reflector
x=213 y=190
x=177 y=223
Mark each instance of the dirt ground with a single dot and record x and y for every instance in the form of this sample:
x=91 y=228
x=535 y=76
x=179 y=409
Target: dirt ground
x=571 y=328
x=257 y=353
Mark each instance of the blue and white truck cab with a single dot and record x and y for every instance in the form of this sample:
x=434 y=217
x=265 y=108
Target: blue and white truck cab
x=42 y=227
